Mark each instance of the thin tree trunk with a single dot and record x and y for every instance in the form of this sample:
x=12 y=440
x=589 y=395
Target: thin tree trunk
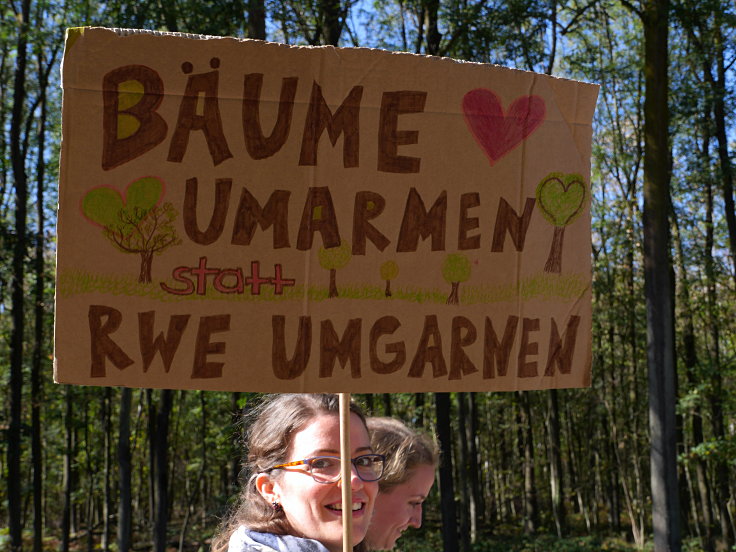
x=332 y=20
x=462 y=468
x=68 y=473
x=658 y=282
x=447 y=489
x=38 y=345
x=476 y=470
x=387 y=409
x=107 y=498
x=718 y=86
x=257 y=19
x=715 y=395
x=531 y=510
x=14 y=444
x=555 y=463
x=160 y=447
x=419 y=405
x=125 y=472
x=333 y=283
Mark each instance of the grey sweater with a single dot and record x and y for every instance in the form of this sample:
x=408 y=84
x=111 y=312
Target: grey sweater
x=245 y=540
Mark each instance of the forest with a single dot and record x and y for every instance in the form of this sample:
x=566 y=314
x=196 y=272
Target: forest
x=101 y=468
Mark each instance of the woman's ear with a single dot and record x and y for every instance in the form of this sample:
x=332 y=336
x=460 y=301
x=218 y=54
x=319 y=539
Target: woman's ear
x=267 y=487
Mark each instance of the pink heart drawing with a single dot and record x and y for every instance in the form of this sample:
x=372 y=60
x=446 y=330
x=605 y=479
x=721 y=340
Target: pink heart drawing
x=498 y=132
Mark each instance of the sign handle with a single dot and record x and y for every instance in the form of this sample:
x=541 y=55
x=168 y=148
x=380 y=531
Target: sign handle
x=346 y=473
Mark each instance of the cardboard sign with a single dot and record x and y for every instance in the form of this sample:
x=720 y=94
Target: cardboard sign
x=240 y=215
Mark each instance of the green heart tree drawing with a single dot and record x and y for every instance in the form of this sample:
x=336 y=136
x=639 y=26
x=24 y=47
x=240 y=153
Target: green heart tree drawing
x=134 y=223
x=561 y=197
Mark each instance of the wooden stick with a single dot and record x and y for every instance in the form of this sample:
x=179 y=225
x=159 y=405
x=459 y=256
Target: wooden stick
x=346 y=473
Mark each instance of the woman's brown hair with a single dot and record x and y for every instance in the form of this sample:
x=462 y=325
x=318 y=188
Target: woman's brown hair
x=404 y=448
x=272 y=424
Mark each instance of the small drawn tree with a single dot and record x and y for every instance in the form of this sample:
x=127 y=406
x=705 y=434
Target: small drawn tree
x=561 y=198
x=136 y=222
x=389 y=271
x=455 y=269
x=146 y=233
x=333 y=259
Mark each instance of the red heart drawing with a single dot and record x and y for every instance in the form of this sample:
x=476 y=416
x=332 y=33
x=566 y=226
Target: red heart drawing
x=498 y=132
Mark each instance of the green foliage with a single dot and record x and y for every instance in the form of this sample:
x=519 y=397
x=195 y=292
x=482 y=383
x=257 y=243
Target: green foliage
x=456 y=268
x=389 y=270
x=335 y=257
x=561 y=198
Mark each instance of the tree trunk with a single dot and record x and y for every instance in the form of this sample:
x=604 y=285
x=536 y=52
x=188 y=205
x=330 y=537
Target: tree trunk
x=387 y=410
x=719 y=115
x=447 y=489
x=257 y=19
x=531 y=510
x=332 y=21
x=658 y=282
x=387 y=292
x=68 y=471
x=462 y=468
x=476 y=469
x=454 y=297
x=159 y=448
x=719 y=111
x=554 y=259
x=419 y=407
x=715 y=395
x=14 y=439
x=107 y=498
x=555 y=464
x=146 y=266
x=125 y=471
x=434 y=37
x=38 y=345
x=333 y=283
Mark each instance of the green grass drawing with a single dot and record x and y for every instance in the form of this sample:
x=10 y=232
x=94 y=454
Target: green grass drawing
x=545 y=286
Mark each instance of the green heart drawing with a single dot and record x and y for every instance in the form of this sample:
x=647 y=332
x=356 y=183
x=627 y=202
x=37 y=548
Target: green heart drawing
x=103 y=205
x=561 y=197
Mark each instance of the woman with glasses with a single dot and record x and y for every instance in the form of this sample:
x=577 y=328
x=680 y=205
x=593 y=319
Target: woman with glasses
x=293 y=498
x=411 y=460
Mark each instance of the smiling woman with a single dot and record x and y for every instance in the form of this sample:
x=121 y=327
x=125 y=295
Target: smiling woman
x=411 y=459
x=293 y=498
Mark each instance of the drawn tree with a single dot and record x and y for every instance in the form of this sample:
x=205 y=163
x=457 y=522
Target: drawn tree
x=389 y=271
x=136 y=223
x=333 y=259
x=561 y=197
x=455 y=269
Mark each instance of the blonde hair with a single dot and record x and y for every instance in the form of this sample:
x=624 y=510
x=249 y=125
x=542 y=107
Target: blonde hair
x=274 y=422
x=404 y=448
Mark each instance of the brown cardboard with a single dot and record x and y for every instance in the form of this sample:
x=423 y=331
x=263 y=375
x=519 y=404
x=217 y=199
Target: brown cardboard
x=215 y=192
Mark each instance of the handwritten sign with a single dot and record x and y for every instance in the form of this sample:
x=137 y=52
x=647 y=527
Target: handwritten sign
x=240 y=215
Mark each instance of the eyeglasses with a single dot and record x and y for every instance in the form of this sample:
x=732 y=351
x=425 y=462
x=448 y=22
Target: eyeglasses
x=326 y=469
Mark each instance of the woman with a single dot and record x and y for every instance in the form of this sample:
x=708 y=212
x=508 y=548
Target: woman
x=411 y=459
x=293 y=498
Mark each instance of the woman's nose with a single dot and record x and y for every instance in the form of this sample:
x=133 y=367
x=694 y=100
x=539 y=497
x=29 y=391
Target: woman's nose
x=416 y=517
x=355 y=481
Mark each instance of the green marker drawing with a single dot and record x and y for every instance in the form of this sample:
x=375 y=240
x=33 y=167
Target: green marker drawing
x=333 y=259
x=455 y=270
x=389 y=270
x=561 y=198
x=135 y=222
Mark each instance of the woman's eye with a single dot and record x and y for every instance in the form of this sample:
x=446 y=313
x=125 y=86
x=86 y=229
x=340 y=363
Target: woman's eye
x=363 y=462
x=321 y=463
